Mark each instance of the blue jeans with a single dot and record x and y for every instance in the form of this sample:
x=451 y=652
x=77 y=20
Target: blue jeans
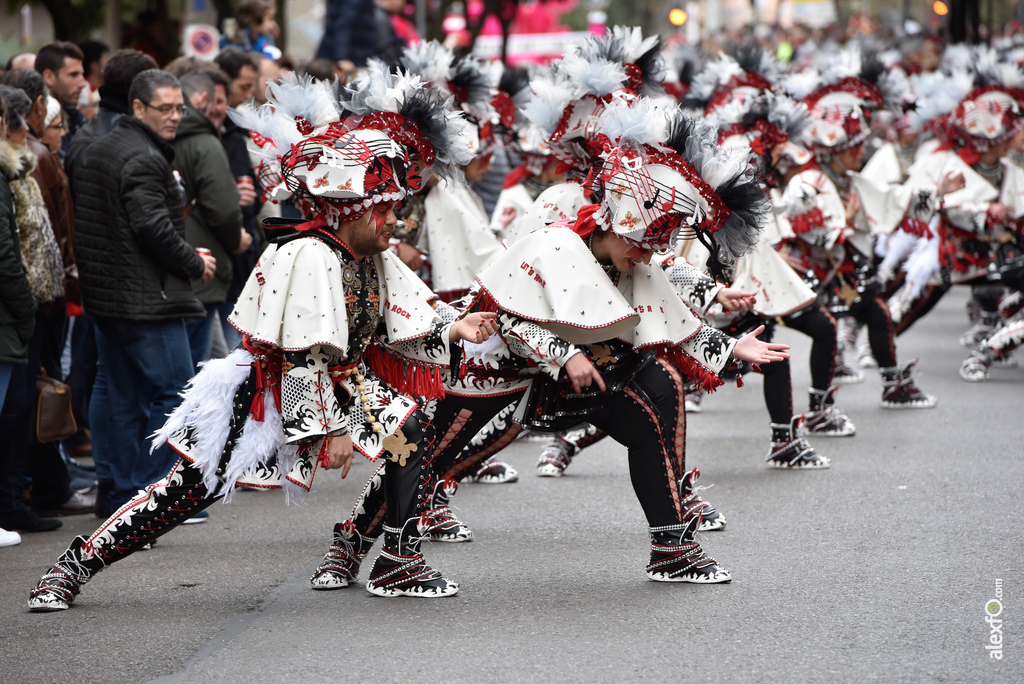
x=5 y=380
x=142 y=367
x=200 y=334
x=231 y=335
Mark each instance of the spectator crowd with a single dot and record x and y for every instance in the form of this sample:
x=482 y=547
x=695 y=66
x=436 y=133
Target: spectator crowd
x=129 y=222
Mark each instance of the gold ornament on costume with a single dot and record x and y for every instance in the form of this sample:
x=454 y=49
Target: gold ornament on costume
x=398 y=448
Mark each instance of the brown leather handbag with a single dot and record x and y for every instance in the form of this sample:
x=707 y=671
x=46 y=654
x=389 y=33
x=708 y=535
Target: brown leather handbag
x=53 y=418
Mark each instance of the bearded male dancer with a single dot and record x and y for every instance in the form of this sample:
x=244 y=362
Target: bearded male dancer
x=316 y=315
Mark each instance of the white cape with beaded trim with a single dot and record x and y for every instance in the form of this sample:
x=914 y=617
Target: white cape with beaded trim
x=458 y=236
x=292 y=301
x=287 y=300
x=551 y=278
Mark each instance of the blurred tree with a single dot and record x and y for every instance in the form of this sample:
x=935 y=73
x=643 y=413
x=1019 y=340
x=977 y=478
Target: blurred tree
x=72 y=19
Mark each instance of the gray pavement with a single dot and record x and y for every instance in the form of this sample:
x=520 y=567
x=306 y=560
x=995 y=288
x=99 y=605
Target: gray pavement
x=875 y=570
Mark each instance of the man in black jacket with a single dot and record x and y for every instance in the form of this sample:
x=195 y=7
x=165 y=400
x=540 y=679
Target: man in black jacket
x=121 y=69
x=135 y=267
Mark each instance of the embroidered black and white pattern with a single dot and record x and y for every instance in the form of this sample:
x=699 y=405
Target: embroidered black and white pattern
x=431 y=347
x=309 y=406
x=691 y=284
x=532 y=342
x=362 y=300
x=709 y=346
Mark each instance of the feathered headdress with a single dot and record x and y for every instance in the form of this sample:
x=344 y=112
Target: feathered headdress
x=729 y=88
x=570 y=95
x=957 y=57
x=428 y=122
x=991 y=113
x=863 y=74
x=936 y=95
x=297 y=106
x=664 y=178
x=639 y=57
x=338 y=154
x=466 y=79
x=851 y=86
x=429 y=60
x=683 y=64
x=780 y=124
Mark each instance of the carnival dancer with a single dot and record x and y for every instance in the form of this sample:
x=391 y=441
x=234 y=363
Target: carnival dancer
x=590 y=282
x=985 y=238
x=822 y=204
x=316 y=316
x=911 y=259
x=737 y=98
x=977 y=240
x=741 y=101
x=750 y=116
x=567 y=99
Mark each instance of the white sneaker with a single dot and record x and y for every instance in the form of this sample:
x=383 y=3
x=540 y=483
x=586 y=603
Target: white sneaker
x=865 y=359
x=9 y=538
x=691 y=401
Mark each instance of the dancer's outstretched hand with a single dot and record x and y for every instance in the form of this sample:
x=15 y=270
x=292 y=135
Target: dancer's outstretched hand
x=751 y=349
x=474 y=327
x=733 y=300
x=581 y=372
x=951 y=182
x=339 y=454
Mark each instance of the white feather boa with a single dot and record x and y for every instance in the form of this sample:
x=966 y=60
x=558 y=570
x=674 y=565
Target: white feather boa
x=205 y=411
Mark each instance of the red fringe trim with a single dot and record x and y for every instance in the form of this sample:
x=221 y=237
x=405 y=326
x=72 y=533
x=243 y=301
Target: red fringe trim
x=516 y=176
x=700 y=376
x=484 y=302
x=808 y=221
x=405 y=375
x=915 y=226
x=268 y=375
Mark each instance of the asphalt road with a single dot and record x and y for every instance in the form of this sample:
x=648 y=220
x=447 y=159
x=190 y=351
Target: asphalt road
x=878 y=569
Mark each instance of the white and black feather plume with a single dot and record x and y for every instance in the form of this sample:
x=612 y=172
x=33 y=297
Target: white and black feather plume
x=429 y=60
x=729 y=174
x=623 y=45
x=788 y=115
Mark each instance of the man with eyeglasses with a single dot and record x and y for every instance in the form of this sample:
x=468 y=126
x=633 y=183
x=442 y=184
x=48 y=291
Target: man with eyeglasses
x=135 y=267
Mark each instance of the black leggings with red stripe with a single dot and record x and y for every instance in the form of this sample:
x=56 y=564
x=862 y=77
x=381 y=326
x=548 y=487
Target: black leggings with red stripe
x=452 y=424
x=168 y=503
x=647 y=417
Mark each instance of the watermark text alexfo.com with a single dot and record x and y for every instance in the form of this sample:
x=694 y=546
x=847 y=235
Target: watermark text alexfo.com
x=993 y=613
